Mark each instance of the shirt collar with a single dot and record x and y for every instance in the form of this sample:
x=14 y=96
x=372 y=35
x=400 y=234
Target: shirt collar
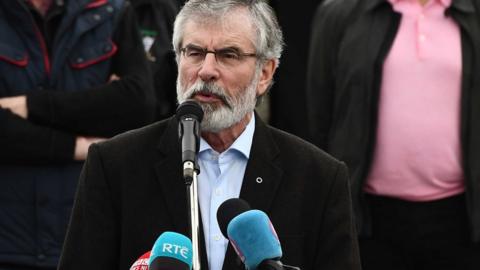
x=242 y=144
x=55 y=2
x=445 y=3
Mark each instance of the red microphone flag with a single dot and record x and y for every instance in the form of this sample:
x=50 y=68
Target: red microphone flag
x=141 y=263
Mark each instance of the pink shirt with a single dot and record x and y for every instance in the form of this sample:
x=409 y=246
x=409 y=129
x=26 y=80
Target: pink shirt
x=417 y=155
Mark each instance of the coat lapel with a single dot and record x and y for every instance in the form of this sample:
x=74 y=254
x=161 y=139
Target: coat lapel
x=262 y=178
x=169 y=176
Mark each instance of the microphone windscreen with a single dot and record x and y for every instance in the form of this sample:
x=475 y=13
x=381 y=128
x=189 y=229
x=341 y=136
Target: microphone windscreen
x=171 y=251
x=228 y=210
x=254 y=238
x=141 y=263
x=190 y=108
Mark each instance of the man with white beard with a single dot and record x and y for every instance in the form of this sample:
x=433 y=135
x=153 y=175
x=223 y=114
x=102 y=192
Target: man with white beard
x=131 y=189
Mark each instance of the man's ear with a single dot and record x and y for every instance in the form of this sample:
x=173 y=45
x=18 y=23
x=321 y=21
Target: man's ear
x=268 y=69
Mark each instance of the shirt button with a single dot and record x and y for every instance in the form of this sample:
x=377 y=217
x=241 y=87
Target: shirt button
x=217 y=237
x=218 y=192
x=421 y=16
x=422 y=37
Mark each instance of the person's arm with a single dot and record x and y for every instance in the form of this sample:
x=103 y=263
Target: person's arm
x=320 y=74
x=337 y=242
x=91 y=241
x=22 y=142
x=108 y=109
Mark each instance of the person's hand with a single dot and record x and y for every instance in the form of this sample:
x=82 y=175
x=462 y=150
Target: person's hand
x=81 y=146
x=17 y=105
x=113 y=78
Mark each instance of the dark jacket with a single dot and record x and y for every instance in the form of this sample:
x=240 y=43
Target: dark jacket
x=287 y=96
x=68 y=94
x=350 y=40
x=131 y=190
x=155 y=19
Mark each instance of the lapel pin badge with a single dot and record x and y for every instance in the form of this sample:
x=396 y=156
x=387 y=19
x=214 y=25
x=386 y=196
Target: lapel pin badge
x=259 y=180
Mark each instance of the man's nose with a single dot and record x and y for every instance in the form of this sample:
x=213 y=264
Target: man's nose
x=209 y=68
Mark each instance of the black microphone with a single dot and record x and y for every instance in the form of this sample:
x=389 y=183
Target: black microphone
x=252 y=235
x=228 y=210
x=189 y=115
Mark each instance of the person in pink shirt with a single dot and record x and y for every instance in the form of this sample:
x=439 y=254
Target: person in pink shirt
x=392 y=91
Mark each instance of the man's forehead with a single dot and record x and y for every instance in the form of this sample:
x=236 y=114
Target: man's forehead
x=232 y=29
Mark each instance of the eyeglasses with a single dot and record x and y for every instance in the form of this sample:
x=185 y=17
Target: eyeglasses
x=227 y=57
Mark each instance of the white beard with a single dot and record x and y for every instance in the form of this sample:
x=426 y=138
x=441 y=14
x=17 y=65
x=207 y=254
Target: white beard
x=234 y=109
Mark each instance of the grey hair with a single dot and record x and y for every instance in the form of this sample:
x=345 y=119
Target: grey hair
x=269 y=38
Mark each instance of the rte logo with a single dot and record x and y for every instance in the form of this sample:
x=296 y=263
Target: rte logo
x=176 y=249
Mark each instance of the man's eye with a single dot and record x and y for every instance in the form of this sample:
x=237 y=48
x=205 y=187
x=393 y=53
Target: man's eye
x=194 y=53
x=229 y=55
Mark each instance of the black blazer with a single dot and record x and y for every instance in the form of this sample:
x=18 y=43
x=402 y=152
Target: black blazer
x=131 y=190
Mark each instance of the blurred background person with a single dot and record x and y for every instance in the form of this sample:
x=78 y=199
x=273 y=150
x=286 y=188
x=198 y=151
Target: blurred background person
x=286 y=107
x=71 y=73
x=392 y=91
x=155 y=20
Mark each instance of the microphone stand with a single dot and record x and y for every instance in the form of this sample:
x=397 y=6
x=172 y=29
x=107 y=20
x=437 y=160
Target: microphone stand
x=190 y=114
x=190 y=175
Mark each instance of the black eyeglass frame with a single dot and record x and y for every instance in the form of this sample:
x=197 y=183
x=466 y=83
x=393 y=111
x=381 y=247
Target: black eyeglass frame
x=205 y=51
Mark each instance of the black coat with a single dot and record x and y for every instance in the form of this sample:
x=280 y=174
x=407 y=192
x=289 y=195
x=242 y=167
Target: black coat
x=131 y=190
x=350 y=40
x=287 y=96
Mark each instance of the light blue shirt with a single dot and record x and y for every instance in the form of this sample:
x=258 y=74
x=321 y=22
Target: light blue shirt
x=220 y=179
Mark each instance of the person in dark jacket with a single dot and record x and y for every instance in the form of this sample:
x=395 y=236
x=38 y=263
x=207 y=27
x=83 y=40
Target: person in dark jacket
x=393 y=91
x=287 y=96
x=71 y=73
x=131 y=188
x=155 y=19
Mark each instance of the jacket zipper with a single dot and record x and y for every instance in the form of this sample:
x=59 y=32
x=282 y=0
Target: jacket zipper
x=43 y=47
